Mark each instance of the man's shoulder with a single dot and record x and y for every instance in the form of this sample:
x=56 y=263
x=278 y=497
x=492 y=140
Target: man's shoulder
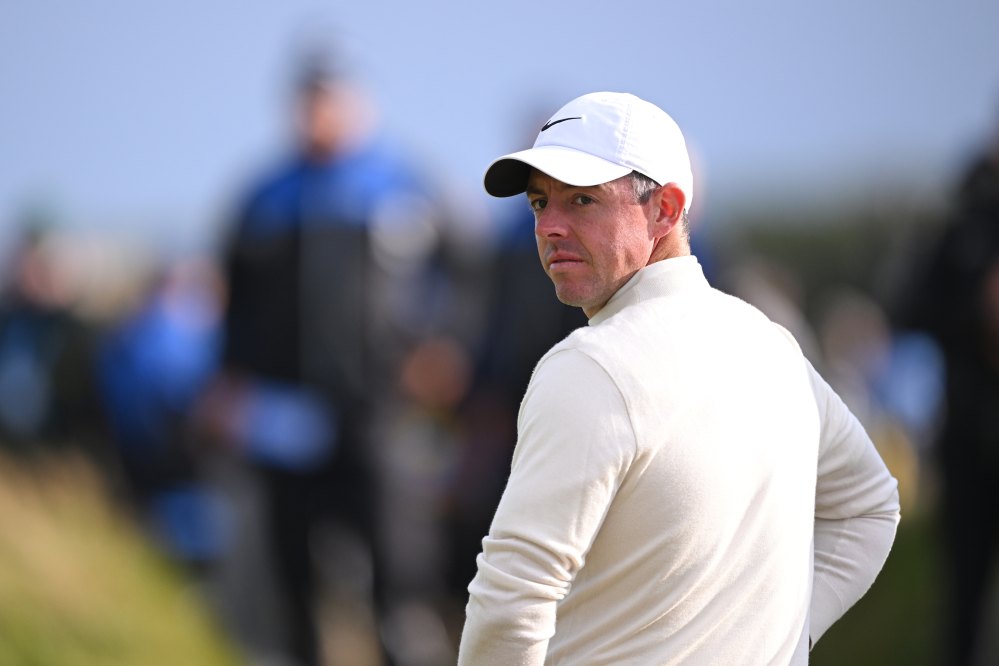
x=652 y=331
x=599 y=345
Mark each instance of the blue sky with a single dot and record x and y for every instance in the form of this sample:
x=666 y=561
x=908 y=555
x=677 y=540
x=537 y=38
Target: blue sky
x=150 y=115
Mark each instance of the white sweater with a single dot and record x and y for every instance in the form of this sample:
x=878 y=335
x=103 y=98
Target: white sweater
x=685 y=490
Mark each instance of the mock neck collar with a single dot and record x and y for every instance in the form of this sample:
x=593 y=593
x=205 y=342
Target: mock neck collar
x=662 y=278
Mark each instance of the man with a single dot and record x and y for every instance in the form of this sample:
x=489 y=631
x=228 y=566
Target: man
x=685 y=487
x=321 y=254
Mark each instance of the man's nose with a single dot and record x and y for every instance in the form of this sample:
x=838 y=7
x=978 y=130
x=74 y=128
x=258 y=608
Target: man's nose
x=550 y=223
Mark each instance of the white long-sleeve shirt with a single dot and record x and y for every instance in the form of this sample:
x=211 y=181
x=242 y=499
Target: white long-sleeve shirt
x=685 y=490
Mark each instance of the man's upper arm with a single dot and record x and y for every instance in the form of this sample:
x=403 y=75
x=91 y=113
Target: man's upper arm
x=575 y=442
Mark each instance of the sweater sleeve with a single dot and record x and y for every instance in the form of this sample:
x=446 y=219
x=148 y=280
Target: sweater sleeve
x=856 y=511
x=575 y=442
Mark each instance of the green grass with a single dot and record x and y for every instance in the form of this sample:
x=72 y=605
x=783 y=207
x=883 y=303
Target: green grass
x=79 y=586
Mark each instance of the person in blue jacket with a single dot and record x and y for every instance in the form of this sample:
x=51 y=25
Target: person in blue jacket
x=327 y=265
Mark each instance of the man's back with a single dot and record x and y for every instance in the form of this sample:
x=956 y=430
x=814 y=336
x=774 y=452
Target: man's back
x=706 y=543
x=667 y=460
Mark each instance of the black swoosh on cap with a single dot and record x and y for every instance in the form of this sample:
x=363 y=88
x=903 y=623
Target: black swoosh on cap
x=560 y=120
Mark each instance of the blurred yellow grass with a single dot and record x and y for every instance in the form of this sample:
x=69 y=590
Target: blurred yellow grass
x=80 y=586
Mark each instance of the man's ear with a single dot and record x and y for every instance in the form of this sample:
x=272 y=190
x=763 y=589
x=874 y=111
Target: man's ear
x=670 y=202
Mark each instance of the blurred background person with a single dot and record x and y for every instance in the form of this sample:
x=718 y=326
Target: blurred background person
x=151 y=364
x=335 y=277
x=954 y=296
x=46 y=383
x=888 y=380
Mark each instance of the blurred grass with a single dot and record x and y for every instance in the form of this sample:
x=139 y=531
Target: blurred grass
x=79 y=586
x=898 y=621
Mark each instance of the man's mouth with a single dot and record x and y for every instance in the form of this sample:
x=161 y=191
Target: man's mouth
x=561 y=259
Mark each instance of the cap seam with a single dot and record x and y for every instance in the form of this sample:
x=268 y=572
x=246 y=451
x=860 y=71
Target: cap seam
x=625 y=137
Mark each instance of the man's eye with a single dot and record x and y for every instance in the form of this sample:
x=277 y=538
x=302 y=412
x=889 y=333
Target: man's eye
x=582 y=200
x=538 y=204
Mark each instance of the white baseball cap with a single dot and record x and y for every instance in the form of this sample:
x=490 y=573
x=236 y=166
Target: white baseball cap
x=595 y=139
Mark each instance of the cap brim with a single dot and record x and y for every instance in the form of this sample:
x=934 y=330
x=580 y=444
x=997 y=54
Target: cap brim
x=508 y=175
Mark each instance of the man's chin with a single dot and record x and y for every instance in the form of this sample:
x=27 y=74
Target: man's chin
x=569 y=297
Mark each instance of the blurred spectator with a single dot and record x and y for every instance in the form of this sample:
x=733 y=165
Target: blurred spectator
x=954 y=296
x=152 y=366
x=45 y=379
x=334 y=273
x=889 y=382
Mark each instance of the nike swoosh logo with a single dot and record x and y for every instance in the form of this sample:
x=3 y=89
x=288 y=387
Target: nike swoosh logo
x=560 y=120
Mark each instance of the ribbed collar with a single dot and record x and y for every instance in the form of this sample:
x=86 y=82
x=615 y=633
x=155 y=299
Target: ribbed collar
x=662 y=278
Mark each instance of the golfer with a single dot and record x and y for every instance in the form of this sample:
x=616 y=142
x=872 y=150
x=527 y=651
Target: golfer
x=686 y=489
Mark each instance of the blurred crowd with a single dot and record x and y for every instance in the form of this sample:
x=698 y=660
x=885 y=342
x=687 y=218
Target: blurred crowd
x=315 y=418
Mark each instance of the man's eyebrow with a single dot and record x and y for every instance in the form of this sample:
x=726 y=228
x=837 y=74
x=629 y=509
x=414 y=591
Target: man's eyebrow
x=533 y=189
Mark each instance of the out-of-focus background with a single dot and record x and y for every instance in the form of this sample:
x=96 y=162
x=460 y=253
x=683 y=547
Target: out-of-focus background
x=263 y=336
